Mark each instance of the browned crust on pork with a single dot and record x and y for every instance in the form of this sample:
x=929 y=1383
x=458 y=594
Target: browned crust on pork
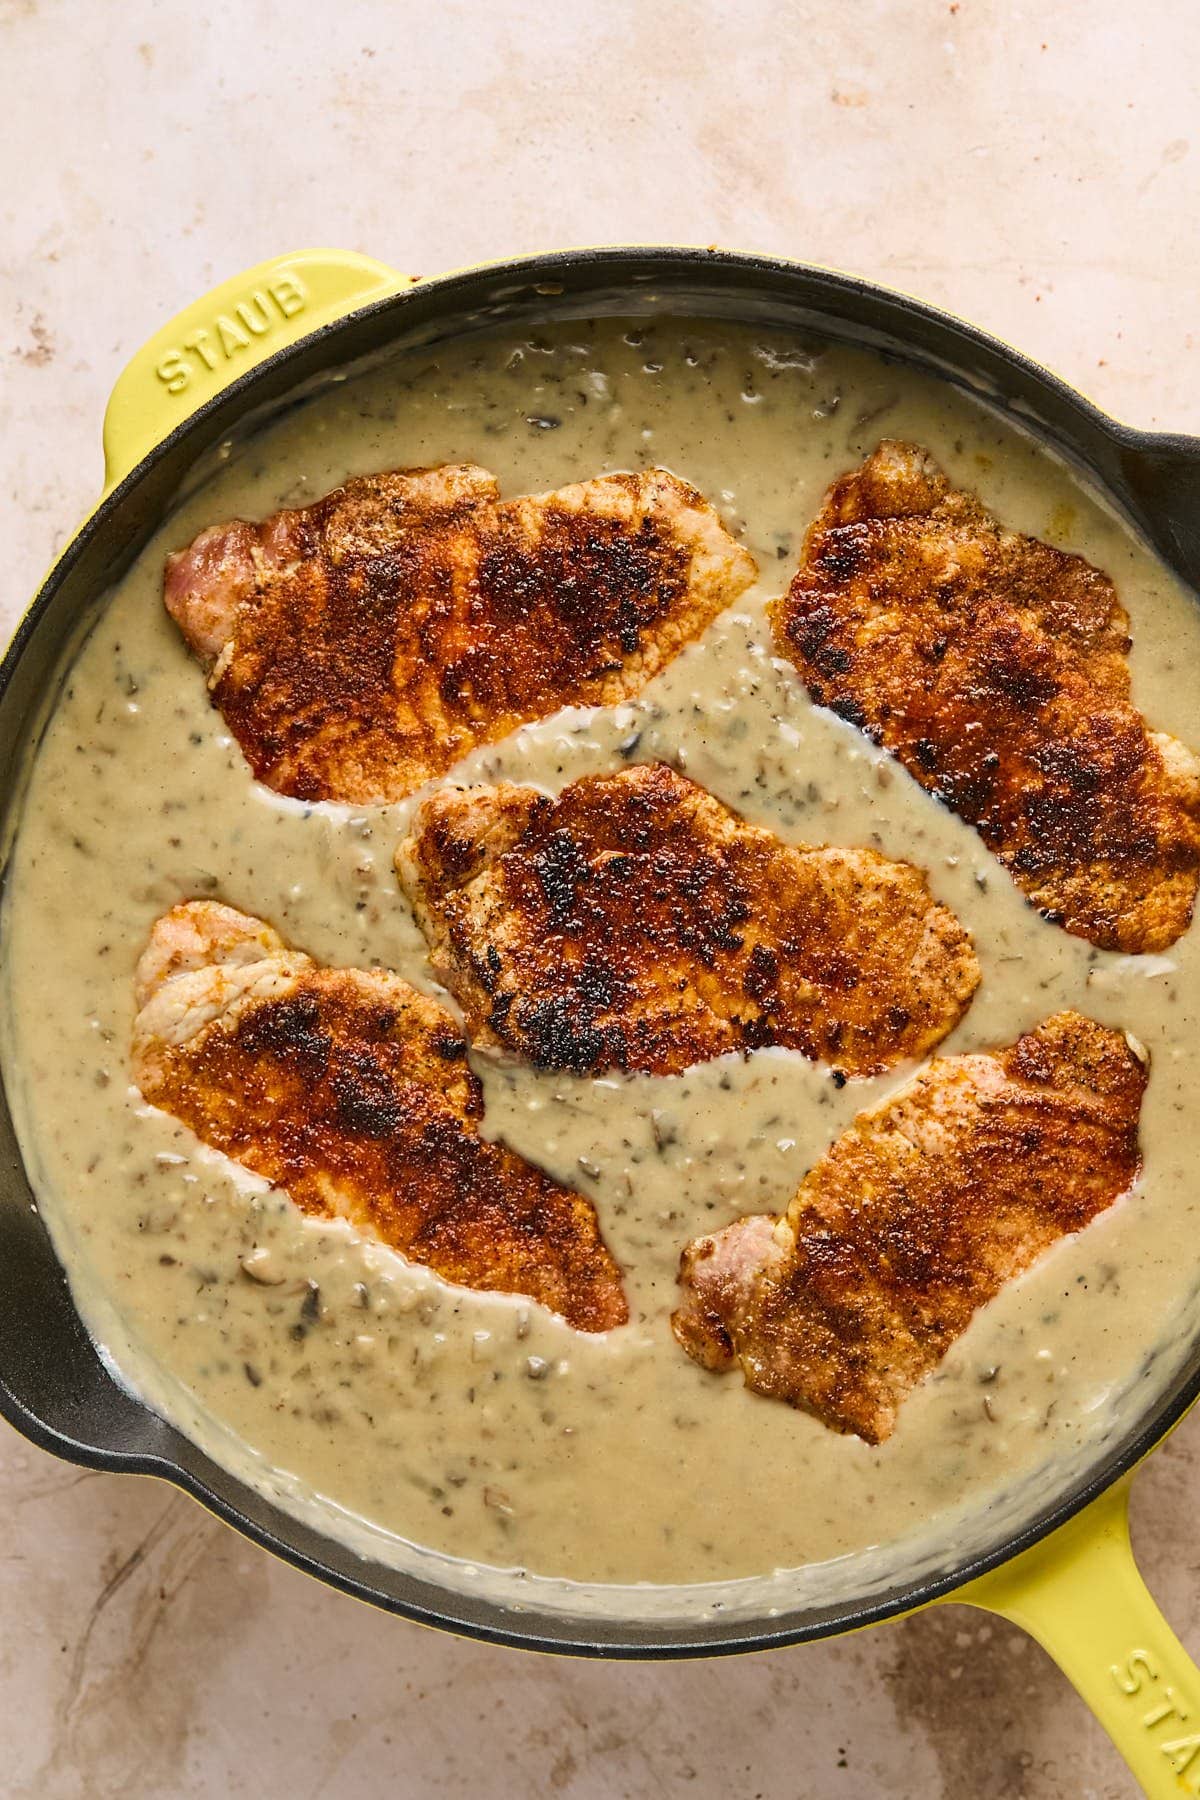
x=994 y=667
x=361 y=645
x=915 y=1218
x=351 y=1090
x=637 y=923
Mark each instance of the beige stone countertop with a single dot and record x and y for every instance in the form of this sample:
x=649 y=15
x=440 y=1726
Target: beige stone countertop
x=1034 y=167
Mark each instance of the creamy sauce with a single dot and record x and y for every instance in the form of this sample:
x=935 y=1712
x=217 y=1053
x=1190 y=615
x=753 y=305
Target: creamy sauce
x=395 y=1411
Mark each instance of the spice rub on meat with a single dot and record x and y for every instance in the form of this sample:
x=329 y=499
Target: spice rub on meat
x=359 y=646
x=915 y=1218
x=351 y=1090
x=637 y=923
x=994 y=667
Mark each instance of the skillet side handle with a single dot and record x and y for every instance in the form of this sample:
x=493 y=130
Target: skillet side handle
x=1080 y=1595
x=231 y=330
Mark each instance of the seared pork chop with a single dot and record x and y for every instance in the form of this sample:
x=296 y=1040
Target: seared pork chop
x=351 y=1090
x=363 y=644
x=995 y=668
x=913 y=1220
x=637 y=923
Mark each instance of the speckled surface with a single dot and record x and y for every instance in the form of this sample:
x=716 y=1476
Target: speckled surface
x=1037 y=168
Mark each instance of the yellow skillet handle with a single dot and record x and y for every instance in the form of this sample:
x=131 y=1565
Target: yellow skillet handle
x=1080 y=1595
x=230 y=330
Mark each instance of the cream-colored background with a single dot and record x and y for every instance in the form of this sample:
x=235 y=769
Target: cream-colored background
x=1035 y=167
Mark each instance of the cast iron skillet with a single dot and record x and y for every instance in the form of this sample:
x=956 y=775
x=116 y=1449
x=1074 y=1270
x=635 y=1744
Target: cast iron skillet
x=247 y=348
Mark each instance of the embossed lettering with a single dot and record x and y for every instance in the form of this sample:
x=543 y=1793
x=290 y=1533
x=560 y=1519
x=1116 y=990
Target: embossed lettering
x=1181 y=1751
x=289 y=294
x=260 y=312
x=255 y=313
x=1138 y=1664
x=173 y=371
x=232 y=336
x=1169 y=1708
x=199 y=342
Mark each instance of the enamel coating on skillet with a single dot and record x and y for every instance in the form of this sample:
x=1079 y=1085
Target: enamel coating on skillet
x=53 y=1385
